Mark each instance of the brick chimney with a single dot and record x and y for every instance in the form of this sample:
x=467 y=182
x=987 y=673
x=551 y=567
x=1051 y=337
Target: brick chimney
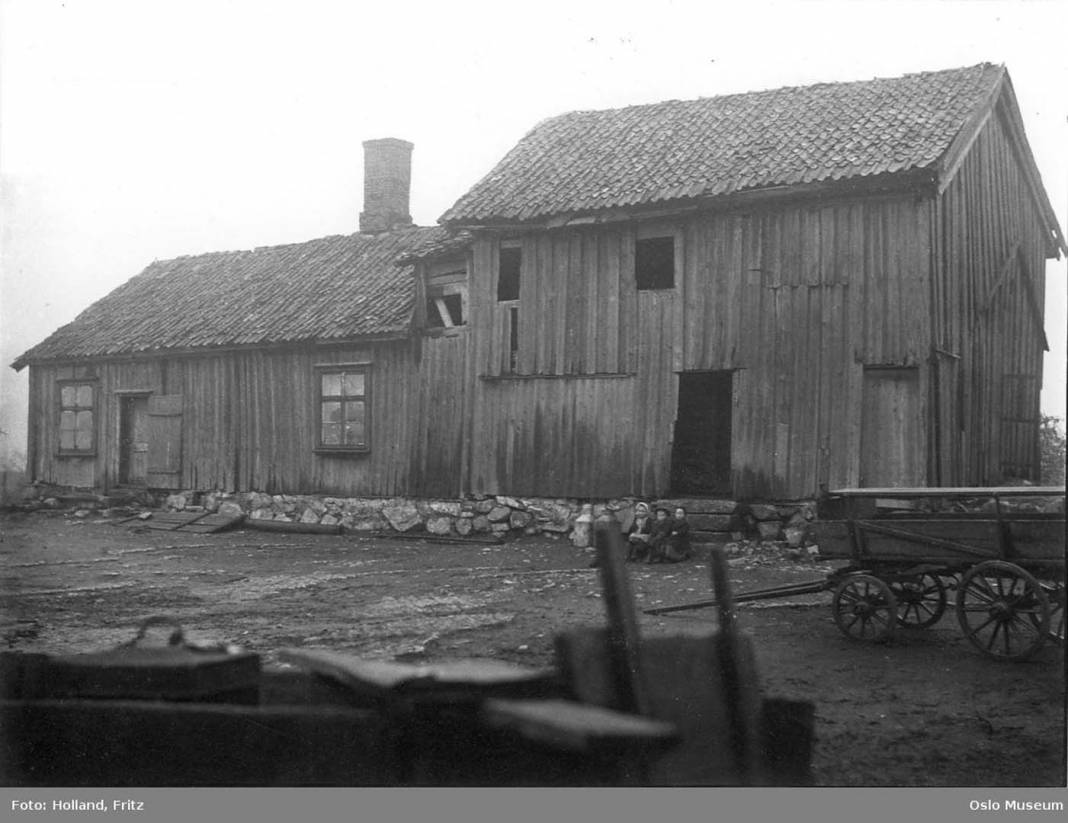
x=387 y=181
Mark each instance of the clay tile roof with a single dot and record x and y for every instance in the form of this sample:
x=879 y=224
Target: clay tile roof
x=332 y=288
x=684 y=149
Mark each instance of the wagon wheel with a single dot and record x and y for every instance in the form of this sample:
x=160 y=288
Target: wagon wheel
x=1003 y=610
x=864 y=608
x=921 y=601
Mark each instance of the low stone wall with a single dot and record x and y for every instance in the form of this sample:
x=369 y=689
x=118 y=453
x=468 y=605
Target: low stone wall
x=557 y=518
x=711 y=521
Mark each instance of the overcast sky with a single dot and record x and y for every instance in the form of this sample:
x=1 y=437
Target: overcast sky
x=131 y=131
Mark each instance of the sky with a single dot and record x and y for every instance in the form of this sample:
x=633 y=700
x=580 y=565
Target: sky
x=134 y=131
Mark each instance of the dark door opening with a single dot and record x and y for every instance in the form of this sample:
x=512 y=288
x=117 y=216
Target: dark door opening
x=701 y=454
x=133 y=441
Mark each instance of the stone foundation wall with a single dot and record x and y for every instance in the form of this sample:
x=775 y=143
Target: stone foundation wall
x=712 y=521
x=558 y=518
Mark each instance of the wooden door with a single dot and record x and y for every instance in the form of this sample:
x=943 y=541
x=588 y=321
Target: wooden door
x=892 y=442
x=165 y=441
x=133 y=441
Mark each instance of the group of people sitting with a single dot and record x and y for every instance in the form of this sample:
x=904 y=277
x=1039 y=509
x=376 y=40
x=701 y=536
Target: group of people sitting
x=662 y=538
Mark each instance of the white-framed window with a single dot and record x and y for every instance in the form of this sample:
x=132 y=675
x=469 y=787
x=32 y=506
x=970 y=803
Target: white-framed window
x=344 y=408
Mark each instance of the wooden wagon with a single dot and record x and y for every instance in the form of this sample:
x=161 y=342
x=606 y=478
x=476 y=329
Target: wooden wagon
x=1001 y=550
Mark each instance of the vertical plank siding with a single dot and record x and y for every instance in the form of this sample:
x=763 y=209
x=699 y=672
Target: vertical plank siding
x=794 y=299
x=984 y=318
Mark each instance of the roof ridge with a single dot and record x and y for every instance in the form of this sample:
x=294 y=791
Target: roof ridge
x=772 y=90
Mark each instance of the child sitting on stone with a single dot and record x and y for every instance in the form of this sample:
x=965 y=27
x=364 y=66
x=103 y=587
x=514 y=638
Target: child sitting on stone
x=658 y=536
x=677 y=543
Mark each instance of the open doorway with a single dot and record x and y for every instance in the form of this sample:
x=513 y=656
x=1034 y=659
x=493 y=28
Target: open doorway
x=701 y=454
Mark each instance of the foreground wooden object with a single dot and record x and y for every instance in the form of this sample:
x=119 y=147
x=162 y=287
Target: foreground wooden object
x=618 y=709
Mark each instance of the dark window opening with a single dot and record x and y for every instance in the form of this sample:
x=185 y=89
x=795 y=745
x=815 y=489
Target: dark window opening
x=654 y=263
x=445 y=311
x=343 y=418
x=513 y=338
x=508 y=274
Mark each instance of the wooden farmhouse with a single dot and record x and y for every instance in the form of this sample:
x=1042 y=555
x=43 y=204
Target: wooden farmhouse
x=756 y=295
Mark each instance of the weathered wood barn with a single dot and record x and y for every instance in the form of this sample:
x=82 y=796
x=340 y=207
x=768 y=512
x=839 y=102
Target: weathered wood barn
x=756 y=295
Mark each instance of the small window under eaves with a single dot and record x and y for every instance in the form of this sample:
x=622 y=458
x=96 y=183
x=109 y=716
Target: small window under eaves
x=508 y=267
x=445 y=311
x=654 y=263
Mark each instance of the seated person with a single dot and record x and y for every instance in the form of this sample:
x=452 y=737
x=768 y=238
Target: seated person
x=658 y=536
x=639 y=533
x=677 y=544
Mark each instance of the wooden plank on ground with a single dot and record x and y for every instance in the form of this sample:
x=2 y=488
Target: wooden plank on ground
x=194 y=522
x=576 y=726
x=381 y=677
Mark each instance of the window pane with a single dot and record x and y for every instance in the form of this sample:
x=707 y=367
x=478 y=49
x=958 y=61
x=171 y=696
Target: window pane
x=354 y=424
x=353 y=384
x=331 y=385
x=67 y=424
x=85 y=395
x=68 y=396
x=84 y=433
x=331 y=424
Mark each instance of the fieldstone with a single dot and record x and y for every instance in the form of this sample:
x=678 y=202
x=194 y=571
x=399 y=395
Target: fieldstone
x=315 y=505
x=555 y=528
x=464 y=526
x=230 y=509
x=309 y=516
x=519 y=520
x=499 y=514
x=439 y=525
x=211 y=501
x=262 y=514
x=499 y=528
x=176 y=502
x=711 y=522
x=485 y=506
x=402 y=517
x=769 y=529
x=480 y=523
x=283 y=518
x=761 y=511
x=445 y=507
x=81 y=514
x=698 y=506
x=330 y=520
x=795 y=536
x=510 y=502
x=365 y=523
x=258 y=500
x=530 y=530
x=195 y=509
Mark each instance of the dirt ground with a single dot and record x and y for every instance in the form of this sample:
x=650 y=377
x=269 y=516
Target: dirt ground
x=925 y=710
